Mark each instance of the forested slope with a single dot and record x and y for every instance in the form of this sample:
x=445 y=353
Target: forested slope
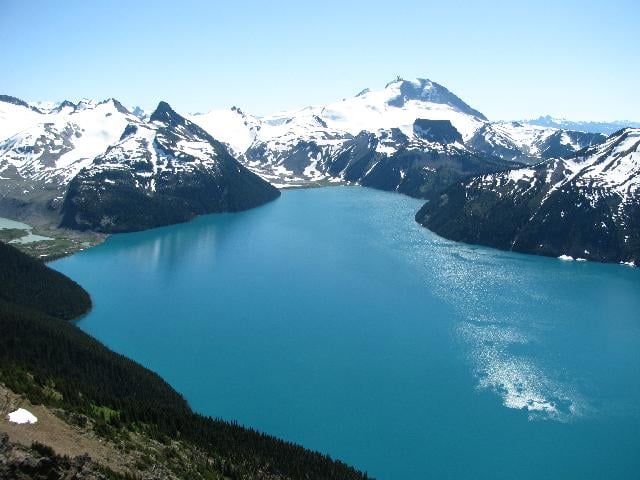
x=53 y=362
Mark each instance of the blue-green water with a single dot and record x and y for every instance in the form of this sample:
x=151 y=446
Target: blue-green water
x=330 y=318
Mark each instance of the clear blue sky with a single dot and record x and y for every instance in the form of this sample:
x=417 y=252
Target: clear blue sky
x=576 y=59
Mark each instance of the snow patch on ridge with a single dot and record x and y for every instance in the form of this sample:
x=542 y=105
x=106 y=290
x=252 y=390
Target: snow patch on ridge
x=231 y=127
x=22 y=416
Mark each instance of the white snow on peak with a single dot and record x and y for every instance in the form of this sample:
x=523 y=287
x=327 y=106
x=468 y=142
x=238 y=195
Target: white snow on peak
x=16 y=118
x=608 y=168
x=101 y=125
x=519 y=174
x=59 y=144
x=43 y=106
x=229 y=126
x=375 y=110
x=524 y=136
x=613 y=165
x=147 y=152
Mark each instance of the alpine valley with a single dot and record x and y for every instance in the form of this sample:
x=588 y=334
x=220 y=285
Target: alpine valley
x=525 y=186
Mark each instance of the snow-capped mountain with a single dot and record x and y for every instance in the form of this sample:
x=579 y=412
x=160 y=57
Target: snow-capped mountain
x=528 y=143
x=163 y=171
x=232 y=127
x=583 y=206
x=606 y=128
x=160 y=172
x=47 y=147
x=16 y=115
x=398 y=105
x=428 y=159
x=95 y=165
x=311 y=145
x=301 y=147
x=51 y=147
x=58 y=144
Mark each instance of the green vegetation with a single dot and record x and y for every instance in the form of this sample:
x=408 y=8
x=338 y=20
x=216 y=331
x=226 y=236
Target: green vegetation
x=62 y=243
x=44 y=450
x=27 y=283
x=105 y=413
x=48 y=249
x=8 y=234
x=54 y=363
x=537 y=219
x=56 y=242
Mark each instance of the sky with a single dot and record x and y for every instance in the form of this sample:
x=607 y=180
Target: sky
x=508 y=59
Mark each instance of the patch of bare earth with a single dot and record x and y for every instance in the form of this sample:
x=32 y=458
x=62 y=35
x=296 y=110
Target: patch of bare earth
x=52 y=429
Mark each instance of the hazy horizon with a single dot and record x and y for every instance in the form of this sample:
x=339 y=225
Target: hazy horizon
x=576 y=61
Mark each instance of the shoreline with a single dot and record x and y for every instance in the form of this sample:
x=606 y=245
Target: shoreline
x=45 y=243
x=68 y=242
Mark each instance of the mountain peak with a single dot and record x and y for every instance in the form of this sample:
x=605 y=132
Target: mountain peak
x=165 y=114
x=64 y=104
x=139 y=112
x=116 y=104
x=425 y=90
x=584 y=126
x=13 y=100
x=416 y=83
x=86 y=104
x=398 y=79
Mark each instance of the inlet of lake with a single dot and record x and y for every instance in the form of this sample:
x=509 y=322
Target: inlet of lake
x=331 y=319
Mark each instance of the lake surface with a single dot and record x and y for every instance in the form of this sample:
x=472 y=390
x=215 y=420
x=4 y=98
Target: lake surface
x=330 y=318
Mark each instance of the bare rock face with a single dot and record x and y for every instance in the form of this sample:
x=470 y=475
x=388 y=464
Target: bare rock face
x=20 y=463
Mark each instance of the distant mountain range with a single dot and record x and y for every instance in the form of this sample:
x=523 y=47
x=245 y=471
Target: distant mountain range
x=96 y=165
x=384 y=138
x=594 y=127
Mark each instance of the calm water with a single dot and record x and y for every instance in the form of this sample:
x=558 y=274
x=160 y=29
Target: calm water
x=330 y=318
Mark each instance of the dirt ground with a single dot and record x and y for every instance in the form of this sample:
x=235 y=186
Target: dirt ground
x=50 y=430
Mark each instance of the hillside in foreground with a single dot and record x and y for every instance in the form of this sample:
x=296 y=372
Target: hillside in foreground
x=136 y=425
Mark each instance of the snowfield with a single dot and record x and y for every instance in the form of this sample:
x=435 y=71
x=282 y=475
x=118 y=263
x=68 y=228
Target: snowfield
x=22 y=416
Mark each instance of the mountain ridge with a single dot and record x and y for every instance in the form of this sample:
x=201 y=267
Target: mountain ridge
x=412 y=136
x=51 y=168
x=165 y=171
x=301 y=147
x=585 y=206
x=586 y=126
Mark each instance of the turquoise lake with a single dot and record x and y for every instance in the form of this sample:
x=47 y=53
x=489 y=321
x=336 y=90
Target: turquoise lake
x=330 y=318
